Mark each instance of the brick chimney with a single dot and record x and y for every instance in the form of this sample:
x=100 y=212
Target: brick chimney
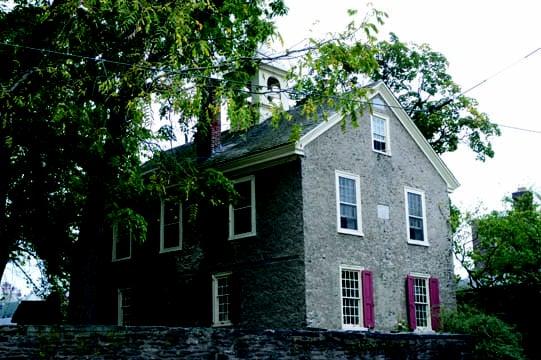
x=207 y=138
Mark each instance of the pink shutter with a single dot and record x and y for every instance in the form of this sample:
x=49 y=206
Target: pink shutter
x=410 y=295
x=434 y=291
x=368 y=299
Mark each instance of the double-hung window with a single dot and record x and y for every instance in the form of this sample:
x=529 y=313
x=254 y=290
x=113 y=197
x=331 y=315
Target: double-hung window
x=348 y=203
x=380 y=134
x=423 y=302
x=124 y=308
x=221 y=299
x=170 y=226
x=242 y=213
x=357 y=298
x=122 y=239
x=416 y=216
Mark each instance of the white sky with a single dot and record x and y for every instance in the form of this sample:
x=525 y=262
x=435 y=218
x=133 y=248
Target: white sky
x=479 y=38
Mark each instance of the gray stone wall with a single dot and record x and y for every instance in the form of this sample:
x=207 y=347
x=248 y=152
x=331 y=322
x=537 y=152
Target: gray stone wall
x=91 y=342
x=175 y=288
x=384 y=248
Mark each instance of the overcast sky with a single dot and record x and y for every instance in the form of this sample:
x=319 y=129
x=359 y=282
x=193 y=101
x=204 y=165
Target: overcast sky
x=479 y=38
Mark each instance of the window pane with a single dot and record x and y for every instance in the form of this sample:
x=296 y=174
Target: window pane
x=223 y=298
x=171 y=212
x=348 y=216
x=378 y=127
x=415 y=207
x=347 y=190
x=242 y=220
x=379 y=145
x=245 y=193
x=171 y=236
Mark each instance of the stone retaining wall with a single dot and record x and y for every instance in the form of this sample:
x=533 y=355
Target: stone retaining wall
x=111 y=342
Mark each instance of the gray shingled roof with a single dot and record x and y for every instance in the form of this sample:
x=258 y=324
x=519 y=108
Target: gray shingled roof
x=259 y=138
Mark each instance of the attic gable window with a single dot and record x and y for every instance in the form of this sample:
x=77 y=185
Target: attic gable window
x=380 y=135
x=242 y=213
x=416 y=216
x=170 y=226
x=122 y=239
x=348 y=203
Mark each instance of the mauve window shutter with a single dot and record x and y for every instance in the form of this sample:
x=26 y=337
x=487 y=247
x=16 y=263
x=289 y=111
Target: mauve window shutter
x=410 y=295
x=434 y=291
x=368 y=299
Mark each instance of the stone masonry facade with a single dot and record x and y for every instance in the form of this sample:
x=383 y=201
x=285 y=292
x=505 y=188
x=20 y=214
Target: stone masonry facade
x=384 y=248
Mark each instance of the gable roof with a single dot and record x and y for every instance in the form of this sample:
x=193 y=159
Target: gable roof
x=265 y=143
x=381 y=89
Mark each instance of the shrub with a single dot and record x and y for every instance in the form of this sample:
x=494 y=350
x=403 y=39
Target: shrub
x=493 y=338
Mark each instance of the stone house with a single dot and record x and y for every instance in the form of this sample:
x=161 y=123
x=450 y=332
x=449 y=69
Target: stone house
x=342 y=229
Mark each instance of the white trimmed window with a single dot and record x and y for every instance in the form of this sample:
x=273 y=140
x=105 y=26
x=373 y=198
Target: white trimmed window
x=351 y=297
x=170 y=226
x=124 y=308
x=122 y=239
x=416 y=216
x=422 y=304
x=357 y=296
x=380 y=135
x=242 y=213
x=423 y=300
x=221 y=299
x=348 y=203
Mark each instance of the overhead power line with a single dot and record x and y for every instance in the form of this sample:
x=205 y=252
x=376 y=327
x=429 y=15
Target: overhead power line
x=102 y=60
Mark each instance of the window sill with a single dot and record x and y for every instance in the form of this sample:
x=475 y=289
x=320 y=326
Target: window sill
x=354 y=328
x=169 y=250
x=242 y=236
x=222 y=324
x=121 y=259
x=423 y=331
x=382 y=152
x=419 y=243
x=350 y=232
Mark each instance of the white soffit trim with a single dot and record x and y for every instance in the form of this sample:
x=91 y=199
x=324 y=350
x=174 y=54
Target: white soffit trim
x=381 y=89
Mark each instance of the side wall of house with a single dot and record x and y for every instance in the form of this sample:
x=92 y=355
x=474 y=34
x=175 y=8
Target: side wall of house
x=384 y=248
x=267 y=270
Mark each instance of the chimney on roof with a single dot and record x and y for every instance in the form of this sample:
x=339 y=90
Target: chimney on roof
x=522 y=199
x=207 y=138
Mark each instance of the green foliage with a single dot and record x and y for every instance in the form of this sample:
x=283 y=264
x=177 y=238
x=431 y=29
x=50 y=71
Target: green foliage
x=492 y=338
x=506 y=247
x=419 y=77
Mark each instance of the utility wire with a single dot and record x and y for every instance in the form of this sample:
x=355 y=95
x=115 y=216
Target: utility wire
x=102 y=60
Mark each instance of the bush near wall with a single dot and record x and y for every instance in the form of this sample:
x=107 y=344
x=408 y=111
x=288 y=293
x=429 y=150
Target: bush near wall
x=517 y=305
x=111 y=342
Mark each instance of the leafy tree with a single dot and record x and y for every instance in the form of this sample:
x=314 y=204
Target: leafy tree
x=419 y=77
x=78 y=81
x=505 y=245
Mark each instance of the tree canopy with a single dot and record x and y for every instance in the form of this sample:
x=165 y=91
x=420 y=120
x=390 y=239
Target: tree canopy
x=505 y=247
x=420 y=79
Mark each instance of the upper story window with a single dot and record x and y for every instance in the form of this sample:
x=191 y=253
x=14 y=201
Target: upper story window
x=380 y=135
x=170 y=226
x=221 y=299
x=348 y=203
x=416 y=216
x=242 y=213
x=423 y=302
x=122 y=239
x=357 y=297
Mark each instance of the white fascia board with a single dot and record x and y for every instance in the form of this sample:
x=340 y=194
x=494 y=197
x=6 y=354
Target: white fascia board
x=277 y=153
